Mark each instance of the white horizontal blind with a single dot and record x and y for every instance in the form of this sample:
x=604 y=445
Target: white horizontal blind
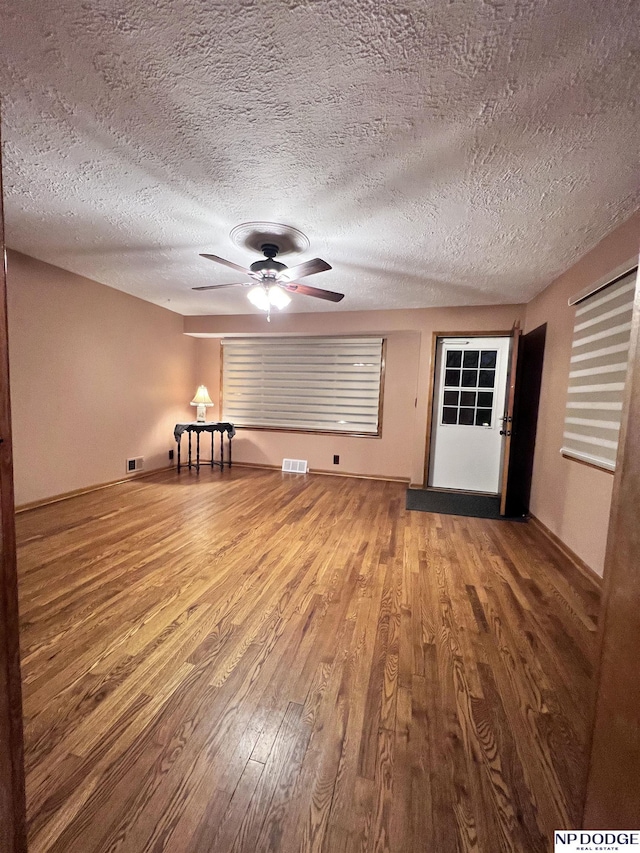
x=597 y=374
x=323 y=384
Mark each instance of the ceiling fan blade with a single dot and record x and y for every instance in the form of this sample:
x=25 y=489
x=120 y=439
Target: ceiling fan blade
x=295 y=287
x=226 y=263
x=232 y=284
x=307 y=268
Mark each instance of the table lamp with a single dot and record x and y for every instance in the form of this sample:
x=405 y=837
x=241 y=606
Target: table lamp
x=201 y=400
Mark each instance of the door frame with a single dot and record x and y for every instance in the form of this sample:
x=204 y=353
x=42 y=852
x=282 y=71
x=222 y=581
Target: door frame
x=432 y=385
x=512 y=379
x=13 y=834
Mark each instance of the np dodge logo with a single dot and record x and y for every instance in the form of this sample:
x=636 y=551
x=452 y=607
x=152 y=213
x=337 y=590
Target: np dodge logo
x=585 y=841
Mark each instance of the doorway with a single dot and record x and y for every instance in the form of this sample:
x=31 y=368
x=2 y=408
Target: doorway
x=470 y=387
x=525 y=421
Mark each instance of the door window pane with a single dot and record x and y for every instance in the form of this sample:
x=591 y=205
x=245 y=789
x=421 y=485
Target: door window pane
x=488 y=358
x=486 y=378
x=470 y=358
x=485 y=399
x=451 y=398
x=483 y=417
x=466 y=417
x=449 y=415
x=452 y=377
x=454 y=358
x=468 y=398
x=469 y=378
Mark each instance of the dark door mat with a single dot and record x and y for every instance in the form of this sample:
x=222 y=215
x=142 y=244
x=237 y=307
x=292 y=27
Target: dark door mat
x=456 y=503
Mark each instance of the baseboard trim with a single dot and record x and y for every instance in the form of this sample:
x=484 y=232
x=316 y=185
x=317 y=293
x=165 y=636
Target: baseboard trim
x=325 y=473
x=580 y=564
x=403 y=480
x=261 y=466
x=54 y=499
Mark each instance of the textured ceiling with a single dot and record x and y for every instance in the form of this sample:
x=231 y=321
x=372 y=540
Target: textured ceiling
x=435 y=152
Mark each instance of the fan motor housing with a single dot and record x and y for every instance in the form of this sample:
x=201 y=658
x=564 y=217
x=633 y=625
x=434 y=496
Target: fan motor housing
x=268 y=267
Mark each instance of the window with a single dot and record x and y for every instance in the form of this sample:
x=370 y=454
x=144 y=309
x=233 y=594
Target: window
x=469 y=380
x=598 y=371
x=318 y=384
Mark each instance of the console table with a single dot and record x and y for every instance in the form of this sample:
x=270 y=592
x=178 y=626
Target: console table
x=212 y=427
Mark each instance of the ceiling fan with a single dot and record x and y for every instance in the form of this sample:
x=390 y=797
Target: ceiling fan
x=272 y=281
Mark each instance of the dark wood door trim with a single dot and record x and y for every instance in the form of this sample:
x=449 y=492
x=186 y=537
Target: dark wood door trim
x=12 y=793
x=613 y=793
x=507 y=423
x=432 y=379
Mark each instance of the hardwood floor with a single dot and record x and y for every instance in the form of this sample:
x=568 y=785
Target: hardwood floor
x=252 y=661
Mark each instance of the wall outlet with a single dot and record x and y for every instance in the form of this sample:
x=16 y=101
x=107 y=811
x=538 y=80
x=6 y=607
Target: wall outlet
x=171 y=456
x=336 y=459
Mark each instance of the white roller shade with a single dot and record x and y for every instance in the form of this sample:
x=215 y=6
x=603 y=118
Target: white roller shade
x=597 y=374
x=320 y=384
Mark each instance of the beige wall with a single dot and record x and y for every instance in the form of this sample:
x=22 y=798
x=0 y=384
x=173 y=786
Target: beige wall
x=573 y=500
x=97 y=376
x=400 y=452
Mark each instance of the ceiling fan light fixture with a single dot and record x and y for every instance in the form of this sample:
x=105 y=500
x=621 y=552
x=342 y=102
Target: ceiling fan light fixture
x=265 y=297
x=259 y=297
x=278 y=298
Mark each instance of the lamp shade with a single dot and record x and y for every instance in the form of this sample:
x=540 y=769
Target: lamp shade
x=202 y=397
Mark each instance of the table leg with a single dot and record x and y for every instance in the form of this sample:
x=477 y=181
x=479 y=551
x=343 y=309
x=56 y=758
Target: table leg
x=229 y=440
x=212 y=434
x=198 y=452
x=189 y=451
x=179 y=442
x=222 y=451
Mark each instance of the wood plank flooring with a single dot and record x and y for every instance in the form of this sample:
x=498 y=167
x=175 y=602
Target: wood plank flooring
x=248 y=661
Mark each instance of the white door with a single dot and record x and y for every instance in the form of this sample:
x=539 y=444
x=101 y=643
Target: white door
x=468 y=407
